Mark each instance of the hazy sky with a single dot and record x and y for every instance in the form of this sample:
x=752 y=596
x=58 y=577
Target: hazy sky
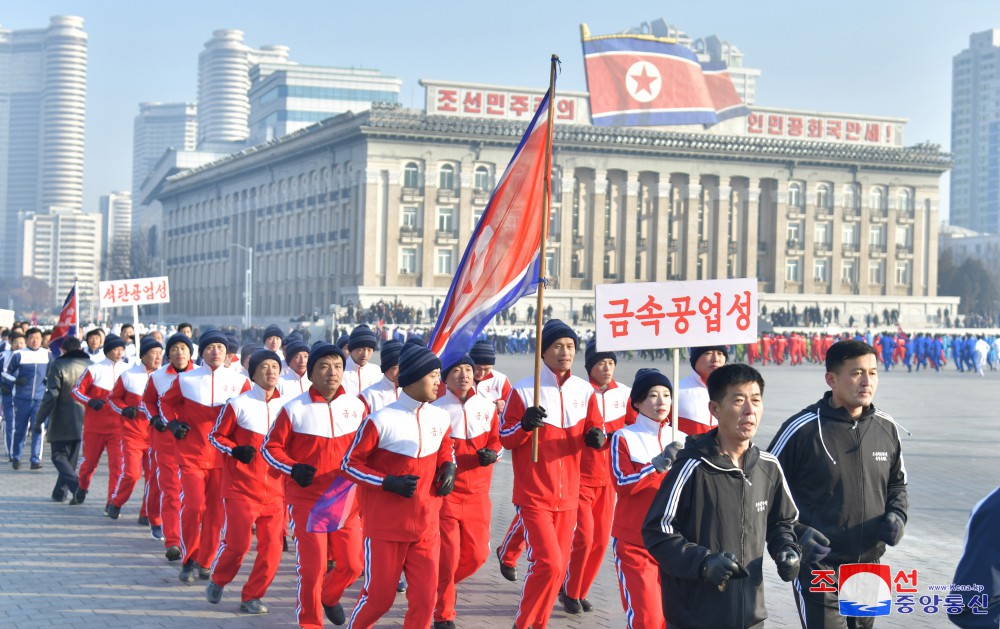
x=882 y=57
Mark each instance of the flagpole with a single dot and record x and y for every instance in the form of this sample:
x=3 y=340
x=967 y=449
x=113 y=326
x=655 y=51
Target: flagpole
x=546 y=199
x=76 y=308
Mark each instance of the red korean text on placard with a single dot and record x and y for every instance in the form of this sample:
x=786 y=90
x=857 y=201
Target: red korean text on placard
x=814 y=128
x=473 y=103
x=755 y=123
x=495 y=104
x=823 y=581
x=682 y=311
x=905 y=582
x=711 y=307
x=149 y=291
x=852 y=130
x=775 y=125
x=447 y=100
x=650 y=314
x=873 y=132
x=123 y=294
x=834 y=129
x=565 y=109
x=741 y=304
x=109 y=294
x=619 y=320
x=795 y=126
x=519 y=104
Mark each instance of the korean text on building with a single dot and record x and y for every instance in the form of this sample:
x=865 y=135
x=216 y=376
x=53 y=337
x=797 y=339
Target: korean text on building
x=654 y=315
x=135 y=292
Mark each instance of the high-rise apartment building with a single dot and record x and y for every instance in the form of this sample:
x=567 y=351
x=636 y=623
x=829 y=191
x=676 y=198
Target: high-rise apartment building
x=975 y=134
x=43 y=84
x=116 y=235
x=64 y=245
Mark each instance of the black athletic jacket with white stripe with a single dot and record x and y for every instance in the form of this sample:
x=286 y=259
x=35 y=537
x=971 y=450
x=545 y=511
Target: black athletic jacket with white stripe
x=845 y=475
x=708 y=505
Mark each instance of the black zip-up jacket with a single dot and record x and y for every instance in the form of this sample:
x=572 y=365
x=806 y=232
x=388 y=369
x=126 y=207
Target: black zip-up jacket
x=845 y=475
x=708 y=505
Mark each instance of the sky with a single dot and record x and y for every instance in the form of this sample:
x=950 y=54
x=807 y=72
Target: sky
x=886 y=58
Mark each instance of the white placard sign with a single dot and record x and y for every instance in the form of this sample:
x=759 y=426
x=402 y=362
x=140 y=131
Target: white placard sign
x=6 y=318
x=137 y=292
x=656 y=315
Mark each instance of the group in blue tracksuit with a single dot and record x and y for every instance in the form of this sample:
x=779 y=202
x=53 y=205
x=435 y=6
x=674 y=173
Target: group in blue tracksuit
x=25 y=373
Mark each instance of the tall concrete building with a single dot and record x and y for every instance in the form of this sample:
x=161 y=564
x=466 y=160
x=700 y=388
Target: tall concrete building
x=65 y=245
x=116 y=235
x=43 y=85
x=975 y=134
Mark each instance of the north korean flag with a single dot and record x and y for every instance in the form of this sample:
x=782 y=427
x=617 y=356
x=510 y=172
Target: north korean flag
x=638 y=82
x=68 y=325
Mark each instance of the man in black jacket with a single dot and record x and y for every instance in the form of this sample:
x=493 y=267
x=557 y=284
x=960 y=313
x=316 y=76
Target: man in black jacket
x=64 y=415
x=721 y=501
x=844 y=465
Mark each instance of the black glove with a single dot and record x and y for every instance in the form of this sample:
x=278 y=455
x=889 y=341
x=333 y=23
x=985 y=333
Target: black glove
x=158 y=424
x=487 y=456
x=815 y=546
x=788 y=561
x=130 y=412
x=718 y=568
x=890 y=530
x=36 y=429
x=244 y=454
x=21 y=381
x=95 y=403
x=595 y=438
x=5 y=389
x=405 y=486
x=444 y=480
x=178 y=429
x=534 y=417
x=662 y=461
x=303 y=474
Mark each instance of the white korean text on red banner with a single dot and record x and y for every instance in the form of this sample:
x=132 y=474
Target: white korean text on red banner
x=137 y=292
x=655 y=315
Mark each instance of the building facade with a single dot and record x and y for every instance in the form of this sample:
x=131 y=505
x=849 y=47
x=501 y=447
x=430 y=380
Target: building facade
x=975 y=134
x=65 y=247
x=116 y=236
x=43 y=85
x=380 y=205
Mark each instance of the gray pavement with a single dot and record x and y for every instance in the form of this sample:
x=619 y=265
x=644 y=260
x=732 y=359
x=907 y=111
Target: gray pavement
x=70 y=567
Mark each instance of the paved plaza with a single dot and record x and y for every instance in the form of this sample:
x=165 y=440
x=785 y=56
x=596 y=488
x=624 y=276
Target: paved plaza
x=68 y=566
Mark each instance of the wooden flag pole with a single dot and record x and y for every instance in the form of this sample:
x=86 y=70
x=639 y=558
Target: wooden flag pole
x=546 y=199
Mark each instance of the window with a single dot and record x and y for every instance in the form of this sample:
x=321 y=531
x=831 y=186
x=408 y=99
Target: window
x=442 y=262
x=482 y=180
x=556 y=183
x=551 y=264
x=876 y=272
x=904 y=235
x=850 y=234
x=792 y=270
x=821 y=233
x=408 y=260
x=446 y=219
x=876 y=235
x=794 y=231
x=877 y=198
x=446 y=178
x=905 y=201
x=411 y=175
x=851 y=196
x=477 y=213
x=609 y=265
x=794 y=194
x=410 y=217
x=821 y=270
x=823 y=199
x=903 y=272
x=848 y=271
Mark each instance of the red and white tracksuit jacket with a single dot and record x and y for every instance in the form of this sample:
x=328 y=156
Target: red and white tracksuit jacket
x=357 y=379
x=253 y=493
x=693 y=416
x=128 y=392
x=196 y=398
x=465 y=514
x=494 y=387
x=597 y=497
x=315 y=432
x=102 y=430
x=636 y=483
x=291 y=384
x=546 y=494
x=381 y=394
x=401 y=534
x=163 y=449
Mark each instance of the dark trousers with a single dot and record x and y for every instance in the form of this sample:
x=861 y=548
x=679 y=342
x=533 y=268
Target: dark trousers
x=64 y=458
x=822 y=609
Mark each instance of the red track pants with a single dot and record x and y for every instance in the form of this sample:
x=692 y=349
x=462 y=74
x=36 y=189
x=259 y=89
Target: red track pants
x=151 y=495
x=93 y=445
x=548 y=536
x=169 y=485
x=202 y=513
x=237 y=532
x=513 y=542
x=134 y=467
x=465 y=545
x=639 y=585
x=590 y=540
x=384 y=561
x=316 y=586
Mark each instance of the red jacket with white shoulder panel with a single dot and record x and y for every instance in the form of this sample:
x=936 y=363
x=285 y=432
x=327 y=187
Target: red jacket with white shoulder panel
x=474 y=425
x=128 y=391
x=617 y=411
x=97 y=383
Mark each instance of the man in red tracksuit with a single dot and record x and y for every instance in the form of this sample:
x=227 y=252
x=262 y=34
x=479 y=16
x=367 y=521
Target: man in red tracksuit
x=253 y=491
x=465 y=514
x=163 y=445
x=191 y=407
x=597 y=497
x=359 y=373
x=307 y=444
x=102 y=428
x=403 y=462
x=641 y=453
x=547 y=493
x=124 y=400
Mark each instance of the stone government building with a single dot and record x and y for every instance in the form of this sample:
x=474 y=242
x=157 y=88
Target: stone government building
x=380 y=205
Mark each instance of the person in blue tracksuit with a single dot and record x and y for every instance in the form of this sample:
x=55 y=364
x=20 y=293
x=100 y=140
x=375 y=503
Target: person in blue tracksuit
x=26 y=372
x=7 y=393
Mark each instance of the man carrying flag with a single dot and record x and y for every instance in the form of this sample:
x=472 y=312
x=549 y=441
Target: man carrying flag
x=68 y=325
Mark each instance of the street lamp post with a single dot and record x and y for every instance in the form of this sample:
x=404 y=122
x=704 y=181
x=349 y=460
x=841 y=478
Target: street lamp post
x=248 y=293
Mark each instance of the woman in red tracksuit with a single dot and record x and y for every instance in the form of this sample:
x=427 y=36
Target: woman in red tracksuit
x=253 y=491
x=547 y=493
x=640 y=455
x=465 y=514
x=307 y=445
x=163 y=445
x=124 y=400
x=403 y=462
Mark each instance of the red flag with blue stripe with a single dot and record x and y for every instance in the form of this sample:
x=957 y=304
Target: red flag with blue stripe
x=68 y=324
x=501 y=263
